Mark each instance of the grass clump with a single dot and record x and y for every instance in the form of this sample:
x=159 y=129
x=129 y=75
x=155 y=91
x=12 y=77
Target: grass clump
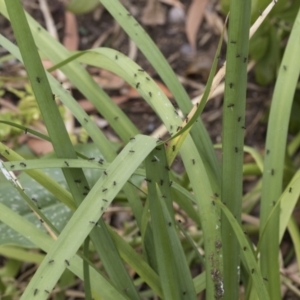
x=167 y=249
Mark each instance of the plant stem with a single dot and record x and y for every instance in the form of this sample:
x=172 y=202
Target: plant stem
x=233 y=137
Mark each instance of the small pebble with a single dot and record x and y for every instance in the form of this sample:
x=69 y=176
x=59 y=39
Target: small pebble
x=186 y=49
x=176 y=15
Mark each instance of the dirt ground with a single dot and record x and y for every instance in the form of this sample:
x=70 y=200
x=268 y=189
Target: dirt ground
x=167 y=26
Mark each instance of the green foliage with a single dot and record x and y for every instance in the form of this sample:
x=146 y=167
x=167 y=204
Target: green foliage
x=68 y=193
x=81 y=7
x=27 y=113
x=267 y=45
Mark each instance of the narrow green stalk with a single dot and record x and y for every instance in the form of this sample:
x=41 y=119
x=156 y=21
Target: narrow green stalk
x=209 y=217
x=275 y=157
x=86 y=271
x=172 y=265
x=79 y=226
x=62 y=144
x=233 y=138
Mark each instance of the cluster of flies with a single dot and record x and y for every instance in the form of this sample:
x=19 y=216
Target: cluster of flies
x=138 y=84
x=50 y=262
x=22 y=164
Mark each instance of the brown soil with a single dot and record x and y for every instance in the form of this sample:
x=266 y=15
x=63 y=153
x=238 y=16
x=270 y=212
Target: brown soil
x=172 y=41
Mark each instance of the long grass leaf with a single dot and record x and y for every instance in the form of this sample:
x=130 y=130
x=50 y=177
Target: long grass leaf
x=233 y=136
x=274 y=159
x=248 y=255
x=61 y=142
x=171 y=261
x=87 y=215
x=97 y=136
x=100 y=285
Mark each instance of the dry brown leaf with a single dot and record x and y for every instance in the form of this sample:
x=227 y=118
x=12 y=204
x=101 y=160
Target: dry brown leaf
x=193 y=21
x=109 y=80
x=202 y=63
x=154 y=13
x=214 y=21
x=132 y=93
x=86 y=105
x=200 y=66
x=120 y=99
x=39 y=147
x=48 y=64
x=175 y=3
x=71 y=39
